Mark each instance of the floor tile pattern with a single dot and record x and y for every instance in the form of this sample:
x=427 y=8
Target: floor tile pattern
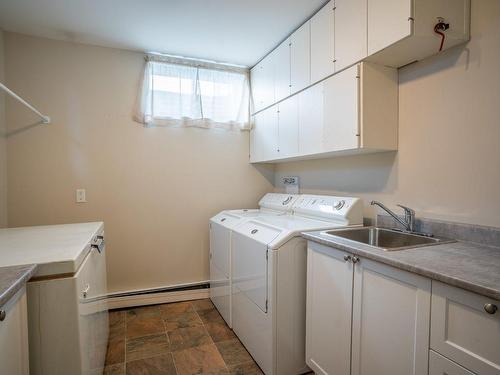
x=182 y=338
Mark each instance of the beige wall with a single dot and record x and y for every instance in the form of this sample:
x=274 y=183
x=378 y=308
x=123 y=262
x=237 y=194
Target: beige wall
x=3 y=144
x=154 y=188
x=448 y=163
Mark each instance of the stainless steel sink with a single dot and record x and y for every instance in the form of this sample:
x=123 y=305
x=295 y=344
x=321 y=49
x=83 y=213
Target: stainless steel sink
x=386 y=239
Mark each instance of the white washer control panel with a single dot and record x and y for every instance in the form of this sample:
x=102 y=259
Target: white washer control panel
x=342 y=208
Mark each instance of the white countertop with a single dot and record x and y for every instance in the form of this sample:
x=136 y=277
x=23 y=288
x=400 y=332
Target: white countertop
x=56 y=249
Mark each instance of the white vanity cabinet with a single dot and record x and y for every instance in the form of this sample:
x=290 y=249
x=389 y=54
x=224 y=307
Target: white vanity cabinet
x=390 y=327
x=389 y=308
x=14 y=354
x=402 y=31
x=328 y=311
x=465 y=327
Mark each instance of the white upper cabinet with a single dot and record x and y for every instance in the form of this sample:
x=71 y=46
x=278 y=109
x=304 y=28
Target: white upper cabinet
x=288 y=127
x=322 y=43
x=353 y=111
x=300 y=58
x=262 y=84
x=402 y=31
x=311 y=120
x=388 y=22
x=281 y=65
x=264 y=136
x=341 y=115
x=350 y=32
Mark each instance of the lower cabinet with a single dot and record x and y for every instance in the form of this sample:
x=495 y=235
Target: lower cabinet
x=328 y=312
x=465 y=327
x=364 y=317
x=439 y=365
x=14 y=355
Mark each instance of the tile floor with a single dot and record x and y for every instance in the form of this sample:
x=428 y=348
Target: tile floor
x=183 y=338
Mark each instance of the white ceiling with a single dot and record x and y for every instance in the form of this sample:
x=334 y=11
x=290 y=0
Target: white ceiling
x=233 y=31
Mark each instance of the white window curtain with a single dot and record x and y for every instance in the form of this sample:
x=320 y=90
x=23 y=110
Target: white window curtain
x=186 y=95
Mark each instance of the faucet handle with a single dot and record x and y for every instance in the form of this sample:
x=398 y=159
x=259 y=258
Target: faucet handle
x=407 y=210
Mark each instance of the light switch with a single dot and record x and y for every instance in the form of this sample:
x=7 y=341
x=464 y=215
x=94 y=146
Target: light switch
x=80 y=196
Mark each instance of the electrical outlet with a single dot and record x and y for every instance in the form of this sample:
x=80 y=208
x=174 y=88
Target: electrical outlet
x=291 y=184
x=80 y=196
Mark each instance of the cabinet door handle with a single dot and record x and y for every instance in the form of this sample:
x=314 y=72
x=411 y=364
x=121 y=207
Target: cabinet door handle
x=347 y=258
x=490 y=308
x=355 y=259
x=3 y=315
x=86 y=291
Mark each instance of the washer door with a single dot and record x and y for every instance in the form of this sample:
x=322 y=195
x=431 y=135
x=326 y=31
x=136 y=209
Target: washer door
x=250 y=268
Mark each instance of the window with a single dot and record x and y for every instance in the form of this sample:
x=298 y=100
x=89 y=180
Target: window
x=187 y=95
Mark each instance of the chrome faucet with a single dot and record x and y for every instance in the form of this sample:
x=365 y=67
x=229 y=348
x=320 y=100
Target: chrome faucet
x=408 y=222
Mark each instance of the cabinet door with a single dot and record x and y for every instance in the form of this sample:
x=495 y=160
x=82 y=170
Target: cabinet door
x=328 y=311
x=391 y=315
x=281 y=65
x=264 y=135
x=14 y=356
x=311 y=120
x=322 y=43
x=288 y=127
x=350 y=32
x=462 y=329
x=341 y=111
x=262 y=81
x=439 y=365
x=388 y=22
x=300 y=58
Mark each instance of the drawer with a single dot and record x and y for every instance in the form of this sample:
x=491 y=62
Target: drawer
x=462 y=329
x=439 y=365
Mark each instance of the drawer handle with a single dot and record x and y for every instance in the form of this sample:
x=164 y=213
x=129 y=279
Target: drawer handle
x=86 y=291
x=254 y=231
x=223 y=219
x=3 y=314
x=490 y=308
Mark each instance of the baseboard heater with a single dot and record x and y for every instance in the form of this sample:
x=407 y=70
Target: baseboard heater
x=158 y=295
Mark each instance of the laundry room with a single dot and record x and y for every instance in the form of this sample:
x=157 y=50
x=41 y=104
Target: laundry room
x=252 y=187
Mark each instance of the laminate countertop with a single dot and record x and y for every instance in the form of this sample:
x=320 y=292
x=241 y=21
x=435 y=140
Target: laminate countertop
x=12 y=279
x=465 y=265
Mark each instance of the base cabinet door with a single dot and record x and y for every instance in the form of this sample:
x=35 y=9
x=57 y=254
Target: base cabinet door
x=465 y=327
x=439 y=365
x=328 y=312
x=14 y=356
x=391 y=314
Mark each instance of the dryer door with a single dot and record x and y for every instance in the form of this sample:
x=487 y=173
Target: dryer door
x=250 y=262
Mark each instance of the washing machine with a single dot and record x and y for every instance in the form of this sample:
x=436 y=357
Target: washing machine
x=220 y=226
x=269 y=262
